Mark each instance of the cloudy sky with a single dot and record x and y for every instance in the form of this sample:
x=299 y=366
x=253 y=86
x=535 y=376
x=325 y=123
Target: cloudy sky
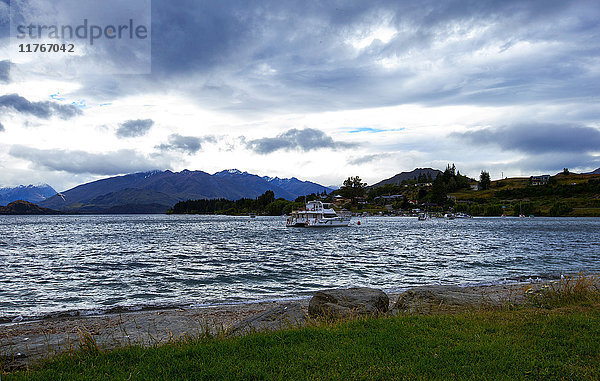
x=317 y=90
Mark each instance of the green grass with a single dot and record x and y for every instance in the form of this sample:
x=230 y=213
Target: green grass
x=581 y=289
x=519 y=344
x=556 y=335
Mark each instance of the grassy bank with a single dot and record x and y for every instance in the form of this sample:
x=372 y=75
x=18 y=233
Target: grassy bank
x=533 y=343
x=566 y=195
x=555 y=336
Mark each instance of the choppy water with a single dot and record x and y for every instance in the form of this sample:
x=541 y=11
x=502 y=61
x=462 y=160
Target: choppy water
x=51 y=264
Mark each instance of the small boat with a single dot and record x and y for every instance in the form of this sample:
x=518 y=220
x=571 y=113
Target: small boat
x=521 y=215
x=449 y=216
x=462 y=215
x=317 y=214
x=252 y=215
x=423 y=217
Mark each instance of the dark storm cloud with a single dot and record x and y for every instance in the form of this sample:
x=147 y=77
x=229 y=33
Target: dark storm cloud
x=537 y=138
x=294 y=139
x=194 y=35
x=5 y=71
x=267 y=55
x=110 y=163
x=4 y=18
x=42 y=110
x=299 y=55
x=185 y=144
x=134 y=128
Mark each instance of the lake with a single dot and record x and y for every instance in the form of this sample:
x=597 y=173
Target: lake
x=94 y=264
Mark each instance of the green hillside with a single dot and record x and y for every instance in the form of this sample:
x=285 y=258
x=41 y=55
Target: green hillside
x=564 y=195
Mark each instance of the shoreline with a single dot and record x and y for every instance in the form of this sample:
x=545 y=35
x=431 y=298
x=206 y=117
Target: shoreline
x=141 y=308
x=148 y=308
x=24 y=343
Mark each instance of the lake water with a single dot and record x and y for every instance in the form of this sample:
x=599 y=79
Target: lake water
x=92 y=264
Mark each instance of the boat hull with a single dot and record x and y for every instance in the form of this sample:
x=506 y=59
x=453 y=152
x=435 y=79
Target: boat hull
x=323 y=223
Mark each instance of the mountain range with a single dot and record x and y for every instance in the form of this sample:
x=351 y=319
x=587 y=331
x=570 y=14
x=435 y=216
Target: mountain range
x=157 y=191
x=30 y=193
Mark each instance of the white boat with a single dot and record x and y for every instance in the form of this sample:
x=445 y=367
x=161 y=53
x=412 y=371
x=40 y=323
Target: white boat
x=317 y=214
x=462 y=215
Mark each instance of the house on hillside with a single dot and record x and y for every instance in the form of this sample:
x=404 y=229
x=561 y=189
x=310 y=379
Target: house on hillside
x=386 y=199
x=539 y=180
x=340 y=201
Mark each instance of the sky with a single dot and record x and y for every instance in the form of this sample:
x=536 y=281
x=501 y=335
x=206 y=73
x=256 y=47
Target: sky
x=316 y=90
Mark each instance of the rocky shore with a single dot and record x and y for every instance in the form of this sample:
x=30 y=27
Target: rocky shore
x=21 y=344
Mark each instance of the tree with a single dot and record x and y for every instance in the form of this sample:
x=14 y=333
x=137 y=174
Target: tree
x=449 y=173
x=276 y=208
x=266 y=198
x=306 y=198
x=484 y=180
x=352 y=188
x=566 y=171
x=438 y=191
x=560 y=209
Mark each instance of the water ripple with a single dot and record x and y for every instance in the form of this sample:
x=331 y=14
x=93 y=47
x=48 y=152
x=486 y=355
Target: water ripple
x=53 y=264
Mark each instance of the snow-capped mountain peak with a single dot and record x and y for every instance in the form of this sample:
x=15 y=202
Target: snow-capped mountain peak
x=231 y=172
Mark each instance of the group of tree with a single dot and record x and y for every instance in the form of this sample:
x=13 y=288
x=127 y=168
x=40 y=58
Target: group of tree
x=386 y=190
x=265 y=204
x=449 y=181
x=353 y=188
x=312 y=197
x=422 y=179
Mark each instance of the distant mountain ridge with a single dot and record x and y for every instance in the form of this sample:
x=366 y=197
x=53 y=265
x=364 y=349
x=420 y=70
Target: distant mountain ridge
x=414 y=174
x=30 y=193
x=157 y=191
x=595 y=172
x=298 y=187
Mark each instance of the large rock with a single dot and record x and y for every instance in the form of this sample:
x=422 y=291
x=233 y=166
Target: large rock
x=432 y=299
x=280 y=317
x=342 y=303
